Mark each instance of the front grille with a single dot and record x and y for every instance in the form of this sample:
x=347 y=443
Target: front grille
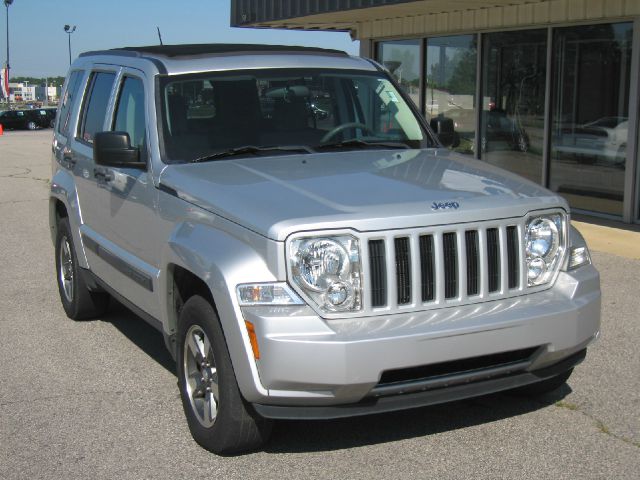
x=444 y=265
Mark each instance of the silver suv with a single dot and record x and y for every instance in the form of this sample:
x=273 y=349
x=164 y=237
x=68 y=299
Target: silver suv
x=288 y=221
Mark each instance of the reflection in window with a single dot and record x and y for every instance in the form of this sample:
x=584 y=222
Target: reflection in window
x=512 y=128
x=402 y=59
x=130 y=116
x=451 y=86
x=590 y=113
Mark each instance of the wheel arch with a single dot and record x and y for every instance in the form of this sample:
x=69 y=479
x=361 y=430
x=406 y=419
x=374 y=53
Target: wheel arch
x=200 y=259
x=63 y=198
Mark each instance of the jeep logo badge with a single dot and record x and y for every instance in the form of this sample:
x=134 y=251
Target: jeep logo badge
x=435 y=206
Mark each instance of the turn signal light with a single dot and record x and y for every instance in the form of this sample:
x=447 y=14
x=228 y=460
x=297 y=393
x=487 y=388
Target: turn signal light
x=251 y=330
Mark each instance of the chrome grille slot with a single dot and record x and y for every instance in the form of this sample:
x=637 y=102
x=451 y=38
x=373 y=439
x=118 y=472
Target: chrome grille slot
x=378 y=273
x=493 y=259
x=473 y=260
x=427 y=268
x=512 y=256
x=403 y=270
x=450 y=248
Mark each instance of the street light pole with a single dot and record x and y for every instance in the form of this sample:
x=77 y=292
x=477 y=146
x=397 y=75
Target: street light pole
x=6 y=4
x=69 y=29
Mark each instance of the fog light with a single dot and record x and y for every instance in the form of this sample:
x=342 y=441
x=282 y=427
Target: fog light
x=537 y=268
x=338 y=294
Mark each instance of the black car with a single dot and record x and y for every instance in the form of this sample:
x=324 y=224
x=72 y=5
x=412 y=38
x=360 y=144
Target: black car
x=24 y=119
x=49 y=116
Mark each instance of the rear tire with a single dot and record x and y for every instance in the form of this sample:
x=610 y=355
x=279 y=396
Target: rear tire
x=219 y=419
x=78 y=301
x=545 y=386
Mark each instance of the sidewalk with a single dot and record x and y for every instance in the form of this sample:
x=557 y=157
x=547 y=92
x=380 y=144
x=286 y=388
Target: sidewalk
x=619 y=239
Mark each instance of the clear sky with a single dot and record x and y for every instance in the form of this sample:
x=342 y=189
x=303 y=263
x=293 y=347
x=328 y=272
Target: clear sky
x=38 y=43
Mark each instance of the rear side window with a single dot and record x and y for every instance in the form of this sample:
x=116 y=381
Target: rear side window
x=96 y=105
x=69 y=99
x=130 y=111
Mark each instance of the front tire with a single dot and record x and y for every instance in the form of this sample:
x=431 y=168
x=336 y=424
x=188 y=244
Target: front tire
x=219 y=419
x=32 y=125
x=78 y=301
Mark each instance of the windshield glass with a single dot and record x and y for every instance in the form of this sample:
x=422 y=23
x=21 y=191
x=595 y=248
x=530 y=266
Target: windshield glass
x=205 y=114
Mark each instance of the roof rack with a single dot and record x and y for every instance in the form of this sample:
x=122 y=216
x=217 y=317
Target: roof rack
x=210 y=49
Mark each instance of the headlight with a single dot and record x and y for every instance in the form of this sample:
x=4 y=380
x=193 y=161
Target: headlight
x=327 y=269
x=545 y=240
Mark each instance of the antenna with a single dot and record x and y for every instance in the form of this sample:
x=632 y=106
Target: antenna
x=159 y=36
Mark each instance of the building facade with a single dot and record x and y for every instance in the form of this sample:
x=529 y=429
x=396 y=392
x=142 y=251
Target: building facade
x=548 y=89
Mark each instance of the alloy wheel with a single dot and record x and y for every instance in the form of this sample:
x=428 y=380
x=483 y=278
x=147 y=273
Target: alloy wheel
x=66 y=268
x=201 y=376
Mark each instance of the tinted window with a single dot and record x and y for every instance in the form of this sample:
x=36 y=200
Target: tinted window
x=68 y=100
x=130 y=111
x=94 y=113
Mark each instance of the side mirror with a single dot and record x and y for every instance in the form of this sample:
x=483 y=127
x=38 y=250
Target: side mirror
x=113 y=149
x=443 y=127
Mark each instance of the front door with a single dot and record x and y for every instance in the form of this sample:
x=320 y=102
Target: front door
x=119 y=203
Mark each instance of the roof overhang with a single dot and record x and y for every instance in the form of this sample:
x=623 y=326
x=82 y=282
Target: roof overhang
x=311 y=15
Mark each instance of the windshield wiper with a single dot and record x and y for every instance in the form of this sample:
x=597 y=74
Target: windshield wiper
x=252 y=149
x=356 y=142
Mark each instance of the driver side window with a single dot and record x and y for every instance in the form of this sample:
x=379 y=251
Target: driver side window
x=130 y=111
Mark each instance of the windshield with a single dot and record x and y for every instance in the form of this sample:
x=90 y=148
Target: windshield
x=206 y=114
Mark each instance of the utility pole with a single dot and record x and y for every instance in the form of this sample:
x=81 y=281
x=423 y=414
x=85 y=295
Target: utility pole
x=6 y=4
x=69 y=29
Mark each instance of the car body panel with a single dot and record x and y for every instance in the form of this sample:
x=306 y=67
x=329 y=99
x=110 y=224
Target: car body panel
x=364 y=190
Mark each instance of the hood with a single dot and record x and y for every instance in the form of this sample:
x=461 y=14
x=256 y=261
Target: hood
x=362 y=190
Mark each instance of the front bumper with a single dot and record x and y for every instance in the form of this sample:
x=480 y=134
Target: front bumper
x=307 y=361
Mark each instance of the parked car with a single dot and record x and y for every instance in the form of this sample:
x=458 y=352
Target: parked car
x=498 y=130
x=23 y=119
x=603 y=140
x=50 y=116
x=301 y=267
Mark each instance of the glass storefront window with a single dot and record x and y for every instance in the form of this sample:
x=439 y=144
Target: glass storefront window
x=450 y=72
x=590 y=115
x=512 y=122
x=402 y=59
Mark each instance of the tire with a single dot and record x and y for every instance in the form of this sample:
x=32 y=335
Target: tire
x=224 y=423
x=32 y=125
x=78 y=301
x=522 y=144
x=545 y=386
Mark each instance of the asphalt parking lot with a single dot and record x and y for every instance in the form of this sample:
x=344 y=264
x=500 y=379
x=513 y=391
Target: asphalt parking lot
x=98 y=399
